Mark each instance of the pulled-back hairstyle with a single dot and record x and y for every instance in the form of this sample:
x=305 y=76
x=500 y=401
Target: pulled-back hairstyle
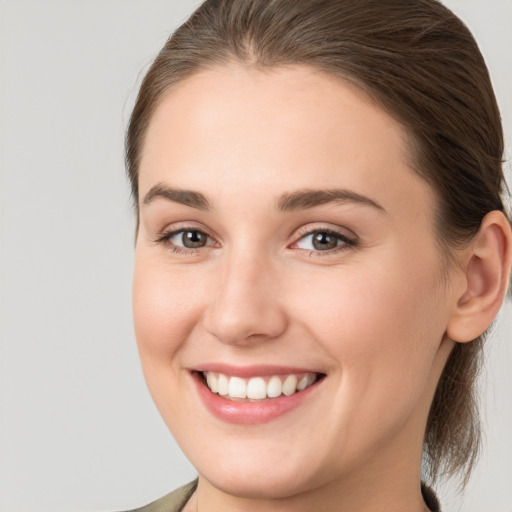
x=418 y=62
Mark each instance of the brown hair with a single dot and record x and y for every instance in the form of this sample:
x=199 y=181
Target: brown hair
x=420 y=63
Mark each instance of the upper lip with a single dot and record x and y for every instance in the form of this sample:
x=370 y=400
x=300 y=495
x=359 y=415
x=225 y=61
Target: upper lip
x=252 y=370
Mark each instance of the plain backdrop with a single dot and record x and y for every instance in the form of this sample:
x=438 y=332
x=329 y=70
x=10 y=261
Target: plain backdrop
x=78 y=430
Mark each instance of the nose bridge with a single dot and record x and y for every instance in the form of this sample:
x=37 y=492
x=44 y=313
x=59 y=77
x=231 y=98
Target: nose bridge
x=246 y=305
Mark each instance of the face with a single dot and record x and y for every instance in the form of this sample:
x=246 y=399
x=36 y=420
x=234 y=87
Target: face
x=288 y=295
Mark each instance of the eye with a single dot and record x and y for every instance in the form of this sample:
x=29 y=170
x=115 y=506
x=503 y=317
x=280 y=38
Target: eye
x=185 y=239
x=189 y=238
x=323 y=240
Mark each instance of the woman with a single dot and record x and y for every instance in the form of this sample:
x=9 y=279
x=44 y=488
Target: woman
x=321 y=246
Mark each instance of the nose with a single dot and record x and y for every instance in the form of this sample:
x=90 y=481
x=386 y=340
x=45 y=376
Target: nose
x=246 y=307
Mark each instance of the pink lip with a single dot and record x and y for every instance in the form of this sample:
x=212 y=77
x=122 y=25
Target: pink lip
x=250 y=412
x=251 y=371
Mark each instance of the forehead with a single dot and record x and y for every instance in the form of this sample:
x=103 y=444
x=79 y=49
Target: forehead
x=287 y=127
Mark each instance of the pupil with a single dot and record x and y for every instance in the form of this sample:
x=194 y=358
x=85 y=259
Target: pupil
x=324 y=241
x=193 y=239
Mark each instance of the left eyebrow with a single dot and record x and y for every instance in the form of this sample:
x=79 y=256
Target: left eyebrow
x=303 y=199
x=186 y=197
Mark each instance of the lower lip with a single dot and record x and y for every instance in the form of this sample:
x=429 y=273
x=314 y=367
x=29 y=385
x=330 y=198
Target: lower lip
x=250 y=412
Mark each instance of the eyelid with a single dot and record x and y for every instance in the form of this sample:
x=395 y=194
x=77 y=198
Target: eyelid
x=327 y=228
x=347 y=236
x=164 y=236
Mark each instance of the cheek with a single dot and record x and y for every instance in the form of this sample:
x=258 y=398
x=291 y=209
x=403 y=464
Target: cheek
x=164 y=308
x=382 y=325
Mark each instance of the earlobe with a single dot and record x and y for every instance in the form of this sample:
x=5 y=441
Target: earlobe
x=487 y=264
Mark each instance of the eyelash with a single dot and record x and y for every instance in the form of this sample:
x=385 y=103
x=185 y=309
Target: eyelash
x=347 y=242
x=165 y=237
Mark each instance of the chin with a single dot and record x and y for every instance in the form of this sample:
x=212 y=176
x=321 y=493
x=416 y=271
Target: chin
x=255 y=484
x=257 y=470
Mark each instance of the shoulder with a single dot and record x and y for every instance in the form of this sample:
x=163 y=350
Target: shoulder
x=172 y=502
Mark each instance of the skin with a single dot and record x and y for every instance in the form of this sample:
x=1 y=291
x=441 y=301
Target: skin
x=372 y=316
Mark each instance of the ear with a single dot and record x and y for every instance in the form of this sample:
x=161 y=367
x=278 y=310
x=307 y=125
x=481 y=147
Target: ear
x=486 y=264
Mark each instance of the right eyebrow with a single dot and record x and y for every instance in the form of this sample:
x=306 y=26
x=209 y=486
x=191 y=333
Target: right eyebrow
x=186 y=197
x=303 y=199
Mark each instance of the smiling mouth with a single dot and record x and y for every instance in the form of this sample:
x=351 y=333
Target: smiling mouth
x=258 y=389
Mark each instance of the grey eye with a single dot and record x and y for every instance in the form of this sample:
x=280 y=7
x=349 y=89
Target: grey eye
x=320 y=241
x=190 y=238
x=324 y=241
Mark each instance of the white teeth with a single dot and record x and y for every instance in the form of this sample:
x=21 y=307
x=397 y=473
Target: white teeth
x=258 y=388
x=290 y=385
x=222 y=385
x=212 y=382
x=274 y=387
x=303 y=384
x=237 y=388
x=306 y=381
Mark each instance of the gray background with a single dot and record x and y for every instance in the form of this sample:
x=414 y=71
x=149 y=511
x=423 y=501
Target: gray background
x=78 y=431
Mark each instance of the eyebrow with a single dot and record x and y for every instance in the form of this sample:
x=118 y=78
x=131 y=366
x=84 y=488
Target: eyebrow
x=303 y=199
x=186 y=197
x=297 y=200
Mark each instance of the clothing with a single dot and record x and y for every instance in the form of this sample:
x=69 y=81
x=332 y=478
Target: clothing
x=173 y=502
x=430 y=498
x=176 y=500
